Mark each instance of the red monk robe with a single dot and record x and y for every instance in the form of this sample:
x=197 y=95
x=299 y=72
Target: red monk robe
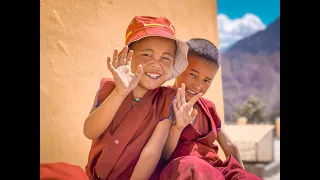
x=196 y=157
x=61 y=171
x=115 y=153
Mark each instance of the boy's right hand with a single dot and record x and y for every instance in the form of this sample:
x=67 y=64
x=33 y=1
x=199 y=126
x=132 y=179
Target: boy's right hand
x=184 y=113
x=120 y=67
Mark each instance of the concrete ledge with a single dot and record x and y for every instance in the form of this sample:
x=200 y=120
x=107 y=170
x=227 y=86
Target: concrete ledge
x=271 y=169
x=263 y=170
x=255 y=168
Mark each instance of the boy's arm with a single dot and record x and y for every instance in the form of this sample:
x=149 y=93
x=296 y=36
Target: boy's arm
x=183 y=115
x=99 y=119
x=151 y=152
x=228 y=147
x=125 y=81
x=172 y=141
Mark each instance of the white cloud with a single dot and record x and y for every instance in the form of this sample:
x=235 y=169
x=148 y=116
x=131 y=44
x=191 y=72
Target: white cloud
x=232 y=30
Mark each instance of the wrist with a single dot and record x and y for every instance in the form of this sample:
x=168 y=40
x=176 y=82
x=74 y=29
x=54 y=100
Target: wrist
x=119 y=95
x=177 y=128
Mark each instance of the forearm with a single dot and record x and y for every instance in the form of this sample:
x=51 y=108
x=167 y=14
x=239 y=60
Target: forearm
x=145 y=166
x=171 y=142
x=151 y=153
x=234 y=151
x=228 y=146
x=237 y=156
x=99 y=120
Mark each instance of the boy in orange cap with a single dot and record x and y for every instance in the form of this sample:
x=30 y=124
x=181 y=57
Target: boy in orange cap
x=130 y=120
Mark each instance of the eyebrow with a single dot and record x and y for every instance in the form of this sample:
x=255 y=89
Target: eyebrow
x=195 y=70
x=199 y=72
x=153 y=50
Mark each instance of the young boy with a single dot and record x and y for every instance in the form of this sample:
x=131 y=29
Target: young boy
x=130 y=119
x=129 y=122
x=189 y=148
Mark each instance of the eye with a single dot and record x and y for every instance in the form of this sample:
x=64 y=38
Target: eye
x=207 y=81
x=147 y=55
x=193 y=75
x=166 y=58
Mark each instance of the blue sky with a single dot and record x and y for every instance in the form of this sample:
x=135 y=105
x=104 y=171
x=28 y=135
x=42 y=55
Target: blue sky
x=238 y=19
x=267 y=10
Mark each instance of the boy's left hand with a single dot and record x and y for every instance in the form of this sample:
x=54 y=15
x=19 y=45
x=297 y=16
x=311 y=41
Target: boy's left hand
x=120 y=67
x=184 y=113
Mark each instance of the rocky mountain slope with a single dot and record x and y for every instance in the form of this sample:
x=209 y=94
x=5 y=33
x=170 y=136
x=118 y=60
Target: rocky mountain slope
x=252 y=67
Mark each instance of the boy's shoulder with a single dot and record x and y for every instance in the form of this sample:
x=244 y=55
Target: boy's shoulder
x=167 y=91
x=108 y=81
x=212 y=109
x=207 y=102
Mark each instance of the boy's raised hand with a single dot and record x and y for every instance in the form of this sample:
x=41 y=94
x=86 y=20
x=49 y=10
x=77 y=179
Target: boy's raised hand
x=120 y=67
x=184 y=113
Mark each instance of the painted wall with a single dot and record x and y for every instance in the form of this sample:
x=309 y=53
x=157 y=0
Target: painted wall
x=74 y=37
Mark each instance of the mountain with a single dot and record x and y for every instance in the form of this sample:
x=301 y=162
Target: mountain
x=252 y=67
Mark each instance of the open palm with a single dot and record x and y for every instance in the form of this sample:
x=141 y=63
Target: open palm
x=120 y=67
x=184 y=113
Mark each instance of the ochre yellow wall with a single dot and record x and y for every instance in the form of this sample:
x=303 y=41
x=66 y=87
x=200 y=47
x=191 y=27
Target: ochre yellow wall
x=75 y=35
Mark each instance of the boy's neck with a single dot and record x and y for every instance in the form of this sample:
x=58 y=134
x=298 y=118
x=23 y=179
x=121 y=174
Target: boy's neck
x=139 y=92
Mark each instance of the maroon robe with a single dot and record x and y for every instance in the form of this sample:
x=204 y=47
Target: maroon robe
x=196 y=157
x=115 y=153
x=61 y=171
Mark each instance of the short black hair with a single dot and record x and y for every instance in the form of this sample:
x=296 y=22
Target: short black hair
x=204 y=49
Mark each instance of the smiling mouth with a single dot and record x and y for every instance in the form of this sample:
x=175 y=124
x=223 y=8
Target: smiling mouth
x=191 y=92
x=153 y=75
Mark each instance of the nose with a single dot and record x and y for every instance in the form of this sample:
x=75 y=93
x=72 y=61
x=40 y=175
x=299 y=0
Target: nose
x=155 y=62
x=198 y=84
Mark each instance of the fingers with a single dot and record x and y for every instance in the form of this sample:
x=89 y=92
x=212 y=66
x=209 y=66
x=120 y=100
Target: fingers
x=194 y=99
x=129 y=58
x=115 y=58
x=110 y=66
x=179 y=93
x=175 y=109
x=123 y=56
x=183 y=94
x=139 y=71
x=194 y=114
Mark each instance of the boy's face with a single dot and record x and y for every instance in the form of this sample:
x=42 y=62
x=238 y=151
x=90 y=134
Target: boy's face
x=156 y=54
x=197 y=77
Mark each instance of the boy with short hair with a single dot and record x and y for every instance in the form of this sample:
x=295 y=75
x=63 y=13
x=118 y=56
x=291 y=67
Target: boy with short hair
x=189 y=148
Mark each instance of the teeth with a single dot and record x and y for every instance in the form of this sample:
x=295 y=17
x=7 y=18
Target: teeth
x=191 y=92
x=153 y=75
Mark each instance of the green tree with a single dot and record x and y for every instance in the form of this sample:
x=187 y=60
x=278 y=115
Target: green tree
x=253 y=109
